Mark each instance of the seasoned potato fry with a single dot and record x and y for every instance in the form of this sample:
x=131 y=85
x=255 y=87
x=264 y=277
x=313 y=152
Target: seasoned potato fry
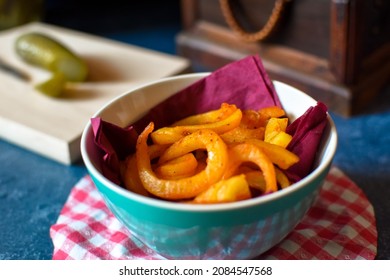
x=240 y=134
x=275 y=132
x=131 y=178
x=129 y=170
x=209 y=117
x=233 y=189
x=180 y=167
x=281 y=178
x=214 y=157
x=252 y=119
x=273 y=127
x=245 y=152
x=278 y=155
x=169 y=135
x=188 y=187
x=272 y=112
x=281 y=139
x=256 y=180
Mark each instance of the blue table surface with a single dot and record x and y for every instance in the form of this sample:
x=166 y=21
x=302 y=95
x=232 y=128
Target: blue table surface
x=33 y=189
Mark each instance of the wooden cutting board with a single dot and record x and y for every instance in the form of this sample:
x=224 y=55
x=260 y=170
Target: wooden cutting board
x=52 y=127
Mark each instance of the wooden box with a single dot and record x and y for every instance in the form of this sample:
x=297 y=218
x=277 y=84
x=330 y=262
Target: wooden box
x=338 y=51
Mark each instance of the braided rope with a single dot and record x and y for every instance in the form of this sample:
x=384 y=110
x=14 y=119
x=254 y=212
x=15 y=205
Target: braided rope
x=262 y=33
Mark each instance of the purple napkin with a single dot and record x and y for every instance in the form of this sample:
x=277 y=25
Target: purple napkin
x=244 y=83
x=115 y=143
x=307 y=131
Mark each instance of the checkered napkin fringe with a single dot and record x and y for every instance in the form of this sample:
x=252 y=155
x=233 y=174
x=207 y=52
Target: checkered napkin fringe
x=340 y=225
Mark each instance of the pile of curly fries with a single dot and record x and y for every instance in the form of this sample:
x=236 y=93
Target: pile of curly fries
x=224 y=155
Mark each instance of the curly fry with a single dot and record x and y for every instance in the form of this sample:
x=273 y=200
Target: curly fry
x=277 y=154
x=251 y=119
x=169 y=135
x=233 y=189
x=240 y=134
x=272 y=112
x=242 y=153
x=255 y=179
x=209 y=117
x=131 y=178
x=187 y=187
x=129 y=170
x=282 y=178
x=212 y=157
x=183 y=166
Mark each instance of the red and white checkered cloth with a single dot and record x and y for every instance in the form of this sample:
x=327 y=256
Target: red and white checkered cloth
x=340 y=225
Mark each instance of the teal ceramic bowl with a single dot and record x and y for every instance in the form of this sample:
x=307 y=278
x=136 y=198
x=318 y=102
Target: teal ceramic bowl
x=239 y=230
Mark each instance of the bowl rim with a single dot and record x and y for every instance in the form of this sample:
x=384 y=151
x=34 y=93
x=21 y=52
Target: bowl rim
x=186 y=207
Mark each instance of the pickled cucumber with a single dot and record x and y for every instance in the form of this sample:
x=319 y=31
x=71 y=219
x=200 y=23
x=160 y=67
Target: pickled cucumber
x=45 y=52
x=53 y=86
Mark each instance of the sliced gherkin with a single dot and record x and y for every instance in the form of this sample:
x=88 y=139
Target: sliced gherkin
x=53 y=86
x=47 y=53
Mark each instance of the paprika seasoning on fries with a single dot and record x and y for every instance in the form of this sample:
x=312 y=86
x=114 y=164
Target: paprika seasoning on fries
x=242 y=150
x=189 y=187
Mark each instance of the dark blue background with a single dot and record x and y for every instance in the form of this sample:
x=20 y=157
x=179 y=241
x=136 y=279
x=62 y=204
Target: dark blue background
x=34 y=189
